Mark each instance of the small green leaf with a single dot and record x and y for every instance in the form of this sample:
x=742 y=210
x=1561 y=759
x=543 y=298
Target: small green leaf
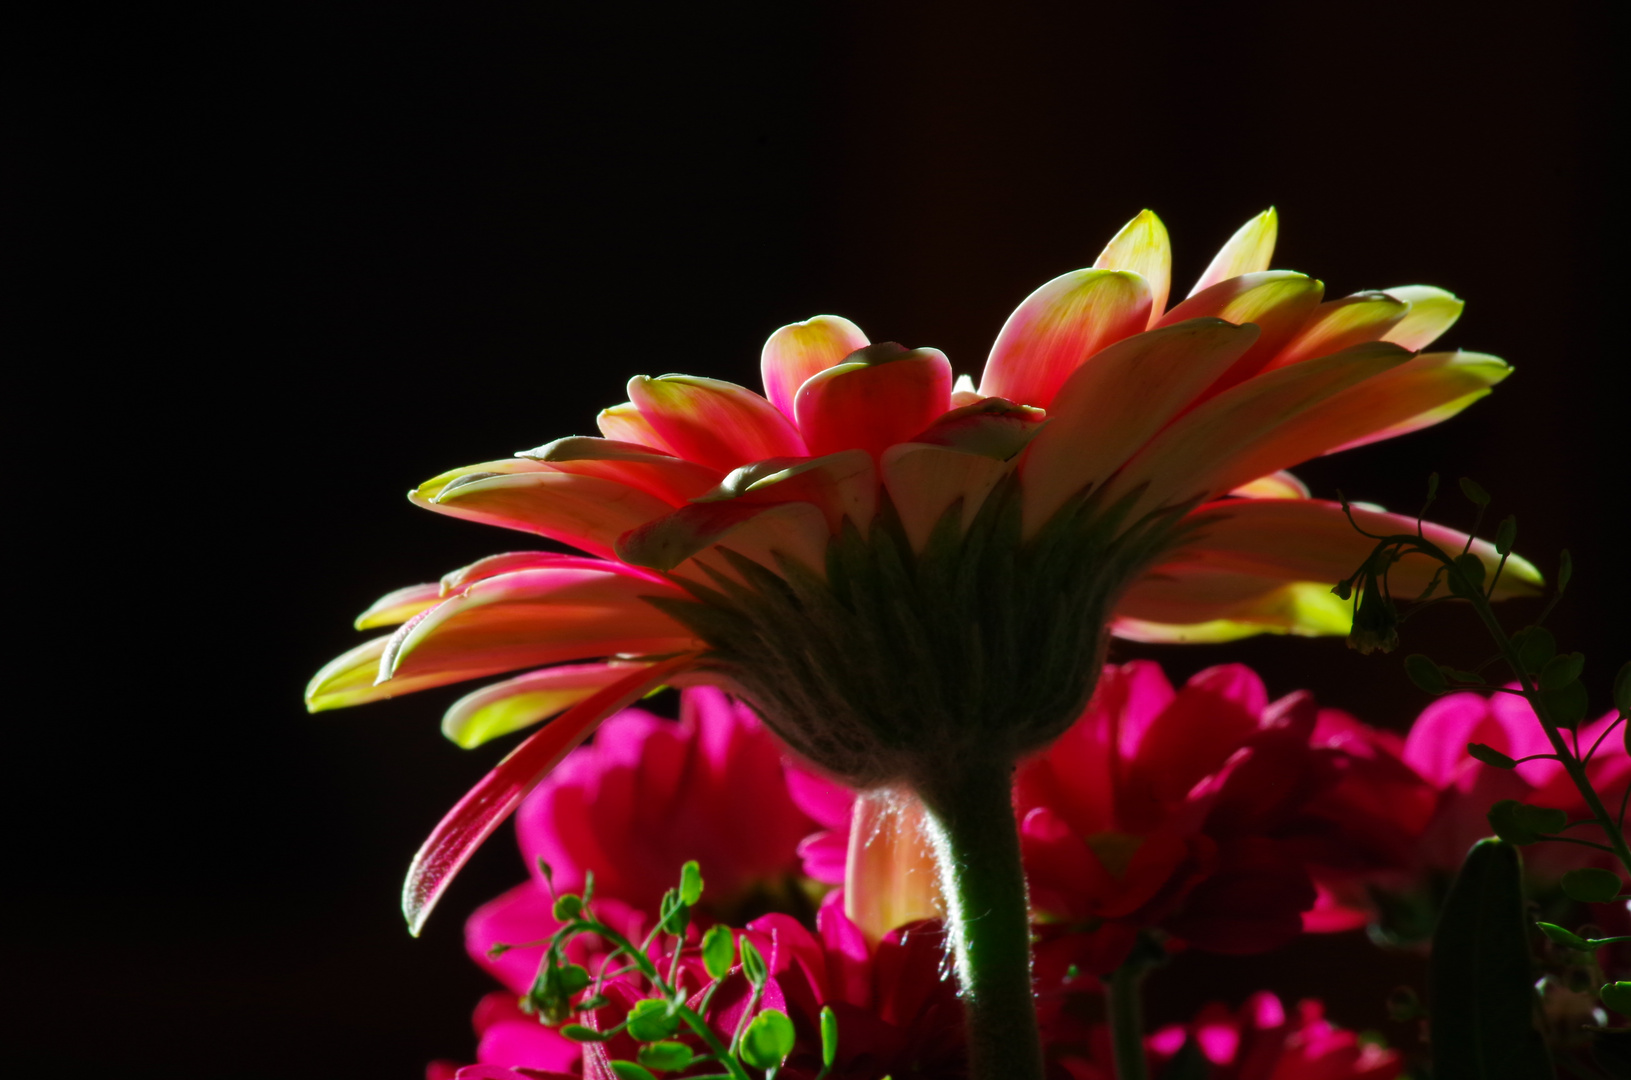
x=666 y=1056
x=675 y=914
x=1617 y=996
x=1490 y=756
x=718 y=951
x=1565 y=570
x=829 y=1036
x=753 y=964
x=1424 y=673
x=1482 y=988
x=573 y=977
x=1535 y=645
x=1506 y=535
x=1542 y=819
x=1567 y=938
x=567 y=906
x=1562 y=670
x=1468 y=578
x=691 y=882
x=579 y=1033
x=768 y=1040
x=1566 y=706
x=1622 y=688
x=1504 y=822
x=1461 y=676
x=1475 y=494
x=652 y=1020
x=1592 y=885
x=628 y=1070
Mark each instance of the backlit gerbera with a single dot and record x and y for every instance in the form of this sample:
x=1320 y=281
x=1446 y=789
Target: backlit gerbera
x=913 y=580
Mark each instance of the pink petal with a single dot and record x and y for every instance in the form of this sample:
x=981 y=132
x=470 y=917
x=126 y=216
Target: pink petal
x=1432 y=312
x=511 y=561
x=924 y=482
x=1058 y=327
x=587 y=512
x=1248 y=251
x=1142 y=246
x=993 y=427
x=841 y=485
x=672 y=479
x=716 y=423
x=800 y=350
x=352 y=678
x=399 y=605
x=880 y=396
x=1112 y=406
x=1428 y=390
x=1277 y=302
x=492 y=800
x=1340 y=324
x=623 y=423
x=1243 y=432
x=523 y=701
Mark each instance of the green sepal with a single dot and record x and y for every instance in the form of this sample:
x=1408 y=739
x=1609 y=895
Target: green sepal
x=666 y=1056
x=768 y=1040
x=1491 y=756
x=1482 y=1024
x=718 y=951
x=1566 y=938
x=628 y=1070
x=1592 y=885
x=579 y=1033
x=829 y=1037
x=1424 y=673
x=652 y=1020
x=690 y=882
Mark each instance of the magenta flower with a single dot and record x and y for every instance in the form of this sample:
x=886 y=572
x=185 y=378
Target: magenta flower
x=1257 y=1042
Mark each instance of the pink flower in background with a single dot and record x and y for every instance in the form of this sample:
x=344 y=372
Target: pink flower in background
x=1207 y=812
x=1257 y=1042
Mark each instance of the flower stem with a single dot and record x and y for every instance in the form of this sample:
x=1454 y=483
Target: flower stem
x=1127 y=1020
x=971 y=823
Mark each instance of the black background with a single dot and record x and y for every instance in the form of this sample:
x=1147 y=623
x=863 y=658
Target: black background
x=299 y=257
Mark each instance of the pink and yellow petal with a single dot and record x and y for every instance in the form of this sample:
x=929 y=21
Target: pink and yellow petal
x=511 y=561
x=1058 y=327
x=399 y=605
x=795 y=530
x=1428 y=390
x=881 y=396
x=841 y=485
x=714 y=422
x=1277 y=485
x=1340 y=324
x=433 y=487
x=1110 y=407
x=352 y=679
x=588 y=512
x=1277 y=302
x=1248 y=251
x=992 y=427
x=1198 y=605
x=526 y=700
x=624 y=423
x=890 y=878
x=1432 y=312
x=1143 y=247
x=799 y=350
x=672 y=479
x=926 y=481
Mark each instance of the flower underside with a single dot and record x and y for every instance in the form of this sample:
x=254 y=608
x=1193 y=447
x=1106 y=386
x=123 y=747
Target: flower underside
x=902 y=664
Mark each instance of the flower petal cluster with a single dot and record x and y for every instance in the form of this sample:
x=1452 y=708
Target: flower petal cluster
x=905 y=573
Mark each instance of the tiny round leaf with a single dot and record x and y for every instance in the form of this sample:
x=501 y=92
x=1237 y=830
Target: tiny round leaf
x=1424 y=673
x=691 y=882
x=718 y=951
x=768 y=1040
x=1592 y=885
x=666 y=1056
x=1617 y=996
x=628 y=1070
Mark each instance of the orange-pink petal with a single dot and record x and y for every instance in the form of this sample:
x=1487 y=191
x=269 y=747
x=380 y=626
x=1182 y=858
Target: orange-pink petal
x=841 y=485
x=623 y=423
x=352 y=679
x=1248 y=251
x=588 y=512
x=994 y=427
x=890 y=878
x=800 y=350
x=510 y=561
x=1058 y=327
x=1340 y=324
x=1278 y=302
x=399 y=605
x=717 y=423
x=1143 y=247
x=881 y=396
x=673 y=479
x=1432 y=312
x=526 y=699
x=1276 y=485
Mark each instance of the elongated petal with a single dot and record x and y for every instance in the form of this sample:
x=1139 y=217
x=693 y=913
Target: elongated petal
x=511 y=561
x=1237 y=436
x=1143 y=247
x=889 y=872
x=672 y=479
x=883 y=396
x=534 y=617
x=1312 y=540
x=1278 y=485
x=623 y=423
x=1195 y=606
x=1248 y=251
x=350 y=679
x=924 y=481
x=717 y=423
x=1278 y=302
x=963 y=392
x=1432 y=312
x=1109 y=408
x=841 y=485
x=588 y=512
x=994 y=427
x=492 y=800
x=525 y=700
x=1426 y=390
x=1340 y=324
x=399 y=605
x=1058 y=327
x=798 y=530
x=799 y=350
x=466 y=473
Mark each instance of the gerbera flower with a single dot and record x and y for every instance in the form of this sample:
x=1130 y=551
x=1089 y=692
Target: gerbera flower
x=911 y=579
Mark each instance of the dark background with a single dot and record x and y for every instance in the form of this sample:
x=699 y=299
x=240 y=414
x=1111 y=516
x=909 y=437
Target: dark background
x=308 y=255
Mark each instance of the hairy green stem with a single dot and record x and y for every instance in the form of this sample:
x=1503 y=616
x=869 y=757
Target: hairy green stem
x=1127 y=1020
x=971 y=823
